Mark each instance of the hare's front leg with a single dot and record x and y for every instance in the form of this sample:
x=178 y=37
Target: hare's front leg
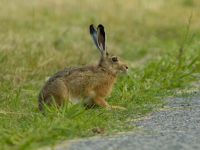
x=95 y=99
x=100 y=101
x=118 y=107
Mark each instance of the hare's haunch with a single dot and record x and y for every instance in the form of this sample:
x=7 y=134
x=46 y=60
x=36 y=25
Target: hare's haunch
x=95 y=82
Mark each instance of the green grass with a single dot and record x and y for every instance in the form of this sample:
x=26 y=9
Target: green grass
x=37 y=38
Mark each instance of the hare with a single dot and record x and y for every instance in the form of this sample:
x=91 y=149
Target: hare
x=93 y=82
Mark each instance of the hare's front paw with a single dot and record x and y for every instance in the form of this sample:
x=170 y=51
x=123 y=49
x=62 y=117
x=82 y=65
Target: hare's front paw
x=115 y=107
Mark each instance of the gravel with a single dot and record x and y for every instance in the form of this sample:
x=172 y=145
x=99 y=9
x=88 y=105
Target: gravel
x=174 y=127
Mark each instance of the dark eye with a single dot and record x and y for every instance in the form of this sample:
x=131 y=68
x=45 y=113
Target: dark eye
x=114 y=59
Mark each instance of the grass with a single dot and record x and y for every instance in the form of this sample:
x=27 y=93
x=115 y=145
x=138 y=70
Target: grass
x=37 y=38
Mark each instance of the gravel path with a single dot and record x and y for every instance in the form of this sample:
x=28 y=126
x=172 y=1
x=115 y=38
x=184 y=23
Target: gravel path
x=175 y=127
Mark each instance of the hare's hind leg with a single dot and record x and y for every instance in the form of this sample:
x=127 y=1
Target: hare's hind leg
x=58 y=99
x=57 y=91
x=49 y=101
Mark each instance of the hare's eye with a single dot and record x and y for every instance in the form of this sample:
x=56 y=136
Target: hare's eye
x=114 y=59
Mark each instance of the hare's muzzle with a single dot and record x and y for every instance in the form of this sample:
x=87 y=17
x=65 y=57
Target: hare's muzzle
x=123 y=69
x=126 y=69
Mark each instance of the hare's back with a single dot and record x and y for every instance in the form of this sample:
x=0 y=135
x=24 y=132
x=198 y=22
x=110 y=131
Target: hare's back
x=62 y=73
x=76 y=72
x=75 y=77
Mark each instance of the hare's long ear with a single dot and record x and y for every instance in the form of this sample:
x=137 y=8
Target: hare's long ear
x=93 y=33
x=101 y=38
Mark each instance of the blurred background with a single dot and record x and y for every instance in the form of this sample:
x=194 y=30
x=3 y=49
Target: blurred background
x=39 y=37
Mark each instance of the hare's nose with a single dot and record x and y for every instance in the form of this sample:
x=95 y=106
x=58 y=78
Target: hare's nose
x=126 y=67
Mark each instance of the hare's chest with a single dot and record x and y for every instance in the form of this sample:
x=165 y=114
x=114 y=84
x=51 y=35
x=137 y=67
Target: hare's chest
x=104 y=87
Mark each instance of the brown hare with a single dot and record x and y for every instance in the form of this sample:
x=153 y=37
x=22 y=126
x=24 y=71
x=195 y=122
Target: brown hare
x=93 y=82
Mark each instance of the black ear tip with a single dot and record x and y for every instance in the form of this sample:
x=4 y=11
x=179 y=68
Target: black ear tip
x=100 y=26
x=91 y=26
x=92 y=29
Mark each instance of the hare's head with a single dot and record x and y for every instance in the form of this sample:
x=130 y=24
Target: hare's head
x=108 y=61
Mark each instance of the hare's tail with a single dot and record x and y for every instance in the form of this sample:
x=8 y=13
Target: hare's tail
x=40 y=100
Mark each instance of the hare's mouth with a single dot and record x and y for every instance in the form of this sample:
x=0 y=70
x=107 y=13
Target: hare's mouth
x=126 y=69
x=123 y=71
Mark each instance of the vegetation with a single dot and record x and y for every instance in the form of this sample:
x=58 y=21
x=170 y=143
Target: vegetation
x=159 y=40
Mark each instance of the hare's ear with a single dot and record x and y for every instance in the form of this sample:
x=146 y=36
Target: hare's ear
x=93 y=33
x=101 y=38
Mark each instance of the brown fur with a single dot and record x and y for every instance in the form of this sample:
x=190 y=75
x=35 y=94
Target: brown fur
x=82 y=82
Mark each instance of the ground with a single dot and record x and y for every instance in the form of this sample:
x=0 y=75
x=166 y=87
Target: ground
x=176 y=127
